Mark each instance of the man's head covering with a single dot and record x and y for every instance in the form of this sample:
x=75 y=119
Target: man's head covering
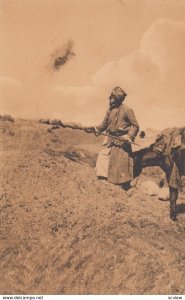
x=118 y=93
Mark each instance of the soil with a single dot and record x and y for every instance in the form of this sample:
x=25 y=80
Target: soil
x=62 y=231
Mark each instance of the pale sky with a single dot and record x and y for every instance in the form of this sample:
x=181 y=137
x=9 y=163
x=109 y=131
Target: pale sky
x=136 y=44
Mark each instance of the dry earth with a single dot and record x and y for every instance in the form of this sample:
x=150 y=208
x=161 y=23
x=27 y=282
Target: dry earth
x=64 y=232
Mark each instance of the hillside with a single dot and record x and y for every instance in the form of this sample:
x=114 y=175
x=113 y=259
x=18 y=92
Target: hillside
x=64 y=232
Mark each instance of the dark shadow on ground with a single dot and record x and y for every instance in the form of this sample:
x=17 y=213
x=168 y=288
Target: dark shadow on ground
x=181 y=208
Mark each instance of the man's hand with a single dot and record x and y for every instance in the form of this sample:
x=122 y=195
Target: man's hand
x=92 y=130
x=125 y=138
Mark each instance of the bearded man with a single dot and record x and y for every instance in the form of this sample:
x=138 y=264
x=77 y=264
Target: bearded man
x=115 y=159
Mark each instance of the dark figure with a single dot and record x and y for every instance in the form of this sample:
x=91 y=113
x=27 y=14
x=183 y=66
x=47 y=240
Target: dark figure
x=172 y=164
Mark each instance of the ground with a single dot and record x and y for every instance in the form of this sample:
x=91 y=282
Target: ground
x=64 y=232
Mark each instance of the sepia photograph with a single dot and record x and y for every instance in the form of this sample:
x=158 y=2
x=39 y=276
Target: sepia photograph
x=92 y=147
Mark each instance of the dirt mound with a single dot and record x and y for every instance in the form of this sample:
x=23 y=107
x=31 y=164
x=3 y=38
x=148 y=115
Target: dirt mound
x=64 y=232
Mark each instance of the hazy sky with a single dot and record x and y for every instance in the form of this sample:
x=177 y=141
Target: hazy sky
x=136 y=44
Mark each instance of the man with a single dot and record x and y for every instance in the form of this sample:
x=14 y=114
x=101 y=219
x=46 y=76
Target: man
x=115 y=160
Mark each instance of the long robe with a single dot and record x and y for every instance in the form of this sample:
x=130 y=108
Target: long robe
x=115 y=161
